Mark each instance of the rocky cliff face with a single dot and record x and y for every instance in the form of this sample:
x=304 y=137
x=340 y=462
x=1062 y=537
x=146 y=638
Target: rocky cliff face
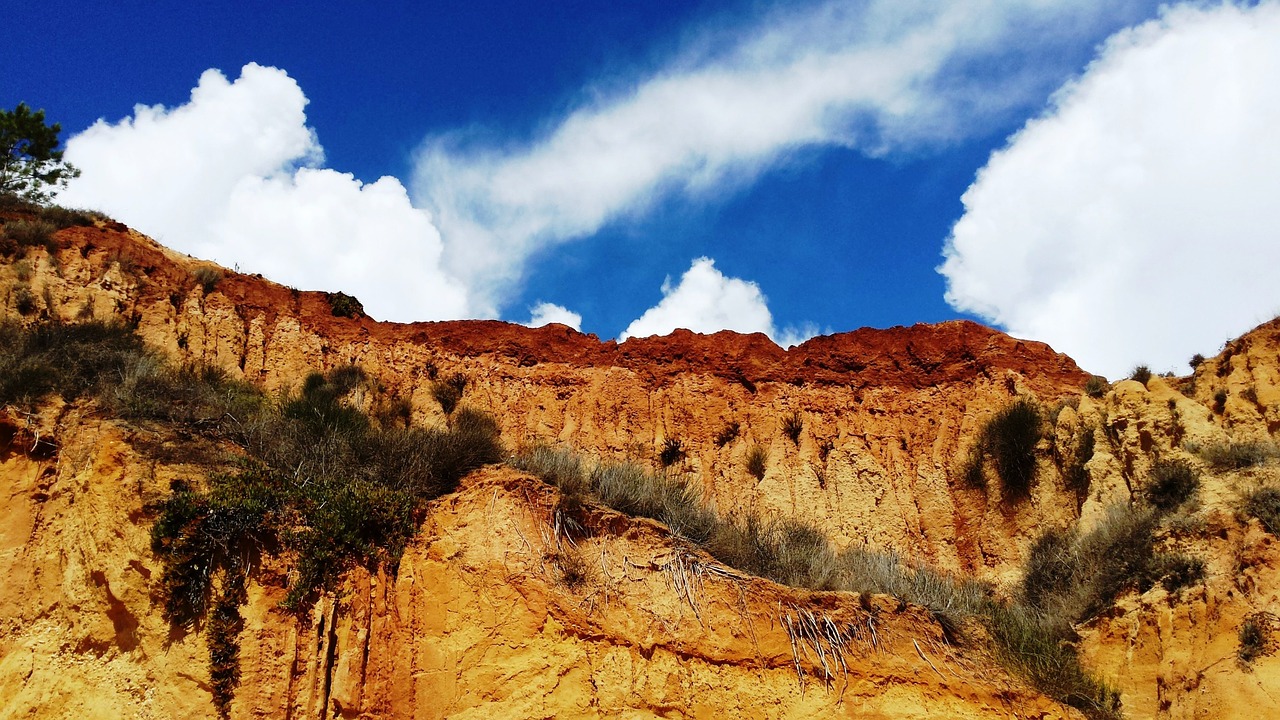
x=478 y=620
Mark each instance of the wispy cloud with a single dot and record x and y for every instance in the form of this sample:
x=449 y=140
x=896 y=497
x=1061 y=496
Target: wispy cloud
x=1136 y=221
x=236 y=175
x=876 y=76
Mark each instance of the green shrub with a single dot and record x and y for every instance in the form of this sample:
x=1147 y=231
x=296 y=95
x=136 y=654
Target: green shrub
x=344 y=305
x=198 y=533
x=1264 y=504
x=783 y=550
x=1142 y=374
x=1238 y=455
x=1095 y=386
x=1009 y=439
x=635 y=491
x=13 y=203
x=1196 y=361
x=573 y=568
x=347 y=489
x=1052 y=568
x=1115 y=556
x=225 y=624
x=757 y=461
x=1172 y=483
x=198 y=398
x=560 y=467
x=792 y=426
x=972 y=471
x=563 y=469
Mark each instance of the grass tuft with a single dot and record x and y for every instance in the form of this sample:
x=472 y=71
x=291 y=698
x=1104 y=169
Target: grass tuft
x=792 y=426
x=207 y=277
x=728 y=433
x=1254 y=640
x=757 y=461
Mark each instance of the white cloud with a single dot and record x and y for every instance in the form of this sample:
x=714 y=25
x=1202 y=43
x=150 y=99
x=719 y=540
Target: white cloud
x=1137 y=222
x=230 y=176
x=706 y=301
x=545 y=313
x=872 y=75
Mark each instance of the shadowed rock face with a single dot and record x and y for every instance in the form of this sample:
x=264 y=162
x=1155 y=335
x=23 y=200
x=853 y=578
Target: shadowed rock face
x=478 y=621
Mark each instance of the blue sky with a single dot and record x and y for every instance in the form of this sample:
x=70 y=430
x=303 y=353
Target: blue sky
x=784 y=167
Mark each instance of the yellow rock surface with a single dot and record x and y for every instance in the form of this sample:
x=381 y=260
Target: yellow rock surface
x=478 y=621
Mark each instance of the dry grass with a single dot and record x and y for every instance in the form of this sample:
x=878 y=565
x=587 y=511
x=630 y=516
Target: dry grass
x=1237 y=455
x=1029 y=639
x=757 y=461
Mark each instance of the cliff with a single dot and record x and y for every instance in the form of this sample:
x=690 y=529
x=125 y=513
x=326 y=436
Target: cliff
x=478 y=620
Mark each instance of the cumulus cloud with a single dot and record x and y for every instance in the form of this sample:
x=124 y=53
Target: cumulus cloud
x=1136 y=221
x=706 y=301
x=233 y=176
x=875 y=76
x=545 y=313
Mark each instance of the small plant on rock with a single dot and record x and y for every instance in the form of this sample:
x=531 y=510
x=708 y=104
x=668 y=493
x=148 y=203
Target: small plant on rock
x=344 y=305
x=793 y=425
x=1220 y=400
x=1254 y=638
x=672 y=451
x=1172 y=483
x=1142 y=374
x=728 y=433
x=207 y=277
x=757 y=460
x=1009 y=439
x=1264 y=504
x=448 y=392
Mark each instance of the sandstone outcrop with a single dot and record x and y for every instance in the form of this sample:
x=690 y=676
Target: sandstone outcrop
x=479 y=622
